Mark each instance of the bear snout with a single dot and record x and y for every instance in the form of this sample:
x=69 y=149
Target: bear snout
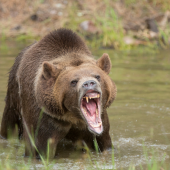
x=88 y=85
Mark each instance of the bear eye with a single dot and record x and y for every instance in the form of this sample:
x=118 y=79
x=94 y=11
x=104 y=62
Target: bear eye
x=97 y=77
x=73 y=83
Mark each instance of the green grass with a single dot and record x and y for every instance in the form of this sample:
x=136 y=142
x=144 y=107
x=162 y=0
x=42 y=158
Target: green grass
x=107 y=22
x=110 y=28
x=109 y=25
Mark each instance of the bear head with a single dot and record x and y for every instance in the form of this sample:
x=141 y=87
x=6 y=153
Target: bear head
x=77 y=92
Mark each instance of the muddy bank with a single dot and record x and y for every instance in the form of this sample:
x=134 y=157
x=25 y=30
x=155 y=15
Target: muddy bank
x=115 y=24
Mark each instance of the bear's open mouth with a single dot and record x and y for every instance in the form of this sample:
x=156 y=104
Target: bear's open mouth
x=90 y=107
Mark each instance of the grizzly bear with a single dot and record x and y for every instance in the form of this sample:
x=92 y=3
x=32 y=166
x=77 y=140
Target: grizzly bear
x=57 y=90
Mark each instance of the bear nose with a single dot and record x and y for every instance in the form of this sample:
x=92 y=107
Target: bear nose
x=89 y=84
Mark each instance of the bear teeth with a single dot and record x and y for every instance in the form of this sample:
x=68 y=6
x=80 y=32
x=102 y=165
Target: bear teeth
x=98 y=125
x=97 y=96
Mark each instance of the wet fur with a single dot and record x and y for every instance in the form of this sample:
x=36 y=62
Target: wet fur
x=30 y=89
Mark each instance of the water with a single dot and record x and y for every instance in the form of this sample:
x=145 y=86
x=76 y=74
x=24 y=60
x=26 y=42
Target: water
x=139 y=117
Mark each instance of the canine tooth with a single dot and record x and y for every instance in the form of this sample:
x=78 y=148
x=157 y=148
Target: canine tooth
x=87 y=99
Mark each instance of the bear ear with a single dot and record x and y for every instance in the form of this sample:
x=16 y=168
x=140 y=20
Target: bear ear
x=104 y=63
x=49 y=70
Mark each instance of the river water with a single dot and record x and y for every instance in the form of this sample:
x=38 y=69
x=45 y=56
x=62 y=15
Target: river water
x=139 y=117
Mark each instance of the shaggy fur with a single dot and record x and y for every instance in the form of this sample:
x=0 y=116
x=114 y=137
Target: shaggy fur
x=40 y=80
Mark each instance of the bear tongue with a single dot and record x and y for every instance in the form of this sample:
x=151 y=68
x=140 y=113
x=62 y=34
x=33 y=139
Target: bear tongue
x=91 y=106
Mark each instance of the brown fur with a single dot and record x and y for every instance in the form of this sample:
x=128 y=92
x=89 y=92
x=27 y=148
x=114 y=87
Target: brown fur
x=40 y=79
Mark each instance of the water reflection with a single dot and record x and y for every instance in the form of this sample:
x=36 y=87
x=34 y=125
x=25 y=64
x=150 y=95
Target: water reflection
x=139 y=117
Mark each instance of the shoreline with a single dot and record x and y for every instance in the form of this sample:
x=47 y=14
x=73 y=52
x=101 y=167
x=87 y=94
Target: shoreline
x=117 y=25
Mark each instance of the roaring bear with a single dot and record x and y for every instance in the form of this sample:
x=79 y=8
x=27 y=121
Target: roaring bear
x=57 y=90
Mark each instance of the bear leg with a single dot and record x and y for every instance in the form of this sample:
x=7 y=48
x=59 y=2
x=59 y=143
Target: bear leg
x=50 y=132
x=104 y=140
x=11 y=124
